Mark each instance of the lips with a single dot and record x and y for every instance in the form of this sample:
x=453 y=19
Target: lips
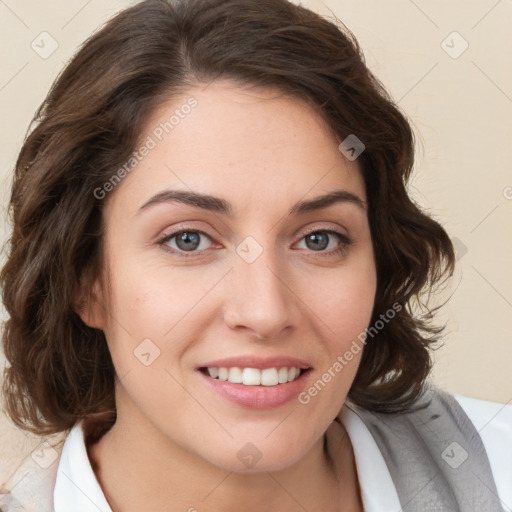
x=250 y=381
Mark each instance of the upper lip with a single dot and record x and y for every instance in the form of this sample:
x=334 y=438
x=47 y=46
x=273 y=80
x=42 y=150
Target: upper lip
x=257 y=362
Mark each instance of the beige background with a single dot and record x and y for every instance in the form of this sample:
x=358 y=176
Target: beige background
x=460 y=104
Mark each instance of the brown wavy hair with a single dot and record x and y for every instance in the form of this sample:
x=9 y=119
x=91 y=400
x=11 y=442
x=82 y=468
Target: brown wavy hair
x=59 y=370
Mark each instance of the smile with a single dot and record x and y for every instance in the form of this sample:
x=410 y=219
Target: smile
x=255 y=388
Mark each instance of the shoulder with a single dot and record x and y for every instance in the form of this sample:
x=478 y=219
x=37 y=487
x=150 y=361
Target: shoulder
x=493 y=422
x=466 y=441
x=30 y=488
x=56 y=477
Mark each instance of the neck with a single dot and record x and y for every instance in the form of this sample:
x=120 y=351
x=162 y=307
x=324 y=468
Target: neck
x=157 y=474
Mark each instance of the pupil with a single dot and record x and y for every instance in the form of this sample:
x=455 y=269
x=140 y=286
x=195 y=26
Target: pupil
x=187 y=241
x=318 y=240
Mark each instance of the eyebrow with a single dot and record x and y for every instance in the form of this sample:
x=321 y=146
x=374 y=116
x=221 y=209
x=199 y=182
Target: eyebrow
x=219 y=205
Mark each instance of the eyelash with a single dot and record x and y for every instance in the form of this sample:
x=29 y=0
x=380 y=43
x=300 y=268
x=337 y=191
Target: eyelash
x=345 y=242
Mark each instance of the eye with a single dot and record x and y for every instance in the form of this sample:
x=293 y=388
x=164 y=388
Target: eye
x=185 y=241
x=193 y=241
x=318 y=240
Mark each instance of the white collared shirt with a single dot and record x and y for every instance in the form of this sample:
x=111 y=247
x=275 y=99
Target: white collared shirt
x=76 y=487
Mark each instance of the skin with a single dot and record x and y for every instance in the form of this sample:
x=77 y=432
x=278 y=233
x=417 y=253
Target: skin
x=175 y=443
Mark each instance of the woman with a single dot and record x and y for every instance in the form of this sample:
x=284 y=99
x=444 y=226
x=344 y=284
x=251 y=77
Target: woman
x=213 y=269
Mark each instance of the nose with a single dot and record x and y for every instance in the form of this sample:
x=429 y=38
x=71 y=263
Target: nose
x=260 y=298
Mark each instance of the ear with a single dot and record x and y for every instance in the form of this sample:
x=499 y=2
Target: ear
x=91 y=307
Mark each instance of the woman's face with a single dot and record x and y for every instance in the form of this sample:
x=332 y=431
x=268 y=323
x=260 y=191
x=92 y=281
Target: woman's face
x=259 y=280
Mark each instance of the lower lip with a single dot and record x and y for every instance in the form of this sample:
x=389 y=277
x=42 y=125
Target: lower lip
x=257 y=397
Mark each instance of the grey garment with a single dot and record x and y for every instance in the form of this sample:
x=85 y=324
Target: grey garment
x=435 y=456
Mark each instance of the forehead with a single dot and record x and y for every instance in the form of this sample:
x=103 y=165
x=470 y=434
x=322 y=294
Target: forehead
x=244 y=144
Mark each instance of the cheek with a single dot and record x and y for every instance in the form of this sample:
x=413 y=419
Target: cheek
x=350 y=312
x=152 y=303
x=345 y=300
x=154 y=296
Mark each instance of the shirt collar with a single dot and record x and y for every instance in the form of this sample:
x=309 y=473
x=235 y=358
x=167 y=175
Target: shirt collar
x=378 y=492
x=76 y=487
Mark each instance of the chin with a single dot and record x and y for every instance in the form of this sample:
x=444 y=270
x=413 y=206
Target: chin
x=267 y=455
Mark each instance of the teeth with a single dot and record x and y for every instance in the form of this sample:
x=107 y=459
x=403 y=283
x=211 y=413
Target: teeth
x=269 y=377
x=254 y=376
x=235 y=375
x=251 y=377
x=283 y=375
